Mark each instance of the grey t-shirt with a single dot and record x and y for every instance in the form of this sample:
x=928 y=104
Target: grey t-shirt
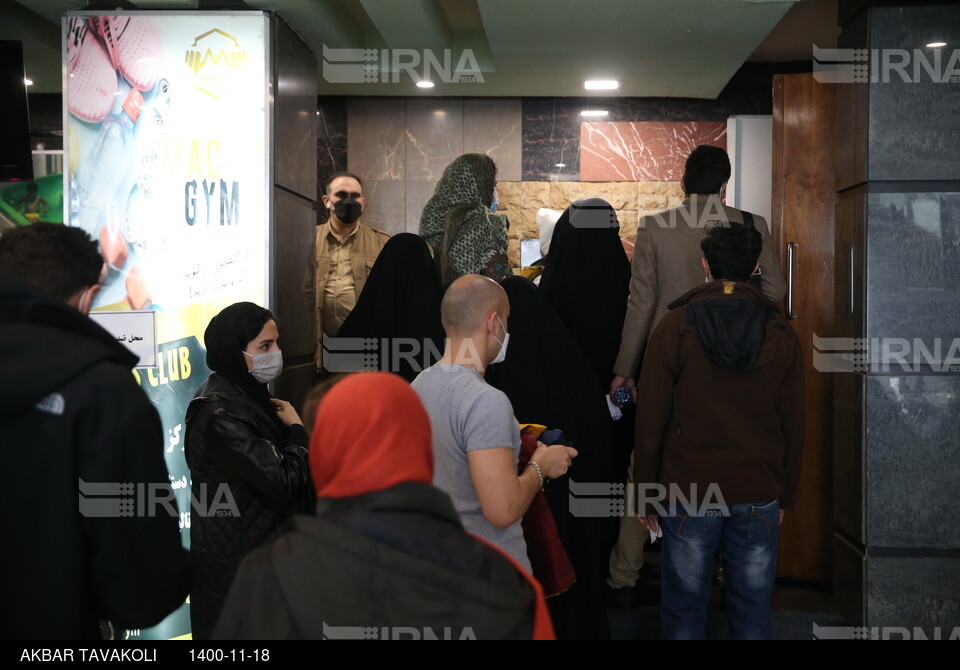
x=466 y=413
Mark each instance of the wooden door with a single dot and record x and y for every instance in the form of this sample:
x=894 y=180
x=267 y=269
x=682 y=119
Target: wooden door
x=804 y=199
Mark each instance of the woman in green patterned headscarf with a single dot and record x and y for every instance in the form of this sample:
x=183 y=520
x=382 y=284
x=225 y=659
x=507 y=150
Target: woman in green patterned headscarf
x=466 y=237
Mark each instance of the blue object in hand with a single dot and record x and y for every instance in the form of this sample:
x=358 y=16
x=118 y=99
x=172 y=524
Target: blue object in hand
x=623 y=396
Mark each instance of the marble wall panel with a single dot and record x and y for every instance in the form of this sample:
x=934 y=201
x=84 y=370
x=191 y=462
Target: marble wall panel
x=376 y=138
x=492 y=127
x=434 y=137
x=385 y=209
x=331 y=138
x=643 y=151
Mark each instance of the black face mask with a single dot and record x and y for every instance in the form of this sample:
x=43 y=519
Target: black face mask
x=347 y=210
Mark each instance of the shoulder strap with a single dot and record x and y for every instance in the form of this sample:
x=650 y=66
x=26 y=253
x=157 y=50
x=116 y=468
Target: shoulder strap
x=754 y=279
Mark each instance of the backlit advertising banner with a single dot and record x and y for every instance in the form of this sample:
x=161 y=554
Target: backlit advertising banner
x=166 y=121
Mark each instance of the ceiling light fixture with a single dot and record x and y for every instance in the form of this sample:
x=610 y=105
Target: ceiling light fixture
x=560 y=165
x=27 y=82
x=601 y=85
x=936 y=45
x=594 y=112
x=425 y=84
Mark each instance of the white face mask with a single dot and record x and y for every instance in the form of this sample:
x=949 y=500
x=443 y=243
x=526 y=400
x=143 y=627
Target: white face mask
x=266 y=367
x=502 y=354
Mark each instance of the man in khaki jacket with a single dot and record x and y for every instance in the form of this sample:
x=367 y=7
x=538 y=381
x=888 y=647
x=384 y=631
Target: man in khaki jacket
x=666 y=264
x=341 y=258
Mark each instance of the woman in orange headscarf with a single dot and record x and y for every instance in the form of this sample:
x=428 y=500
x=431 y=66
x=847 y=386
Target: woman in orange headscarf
x=386 y=554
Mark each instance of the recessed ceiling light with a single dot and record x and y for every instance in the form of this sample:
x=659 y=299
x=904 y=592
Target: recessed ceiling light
x=601 y=85
x=936 y=45
x=28 y=82
x=560 y=165
x=425 y=84
x=594 y=112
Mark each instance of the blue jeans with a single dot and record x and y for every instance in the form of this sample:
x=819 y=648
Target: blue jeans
x=747 y=541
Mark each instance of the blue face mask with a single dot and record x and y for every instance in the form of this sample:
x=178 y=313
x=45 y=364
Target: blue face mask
x=493 y=205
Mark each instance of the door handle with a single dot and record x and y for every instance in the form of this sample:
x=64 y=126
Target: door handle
x=852 y=297
x=791 y=254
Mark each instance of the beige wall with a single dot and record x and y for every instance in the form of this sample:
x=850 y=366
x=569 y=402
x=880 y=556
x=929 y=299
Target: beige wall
x=520 y=200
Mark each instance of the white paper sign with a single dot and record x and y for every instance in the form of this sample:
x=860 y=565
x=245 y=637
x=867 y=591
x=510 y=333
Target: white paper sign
x=136 y=330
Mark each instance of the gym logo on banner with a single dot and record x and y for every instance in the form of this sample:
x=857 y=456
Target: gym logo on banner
x=216 y=58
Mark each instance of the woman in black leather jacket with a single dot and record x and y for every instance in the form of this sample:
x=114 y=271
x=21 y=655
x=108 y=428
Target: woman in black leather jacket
x=247 y=454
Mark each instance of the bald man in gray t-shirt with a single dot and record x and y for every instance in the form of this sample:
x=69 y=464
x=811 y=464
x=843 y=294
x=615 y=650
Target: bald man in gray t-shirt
x=466 y=414
x=476 y=438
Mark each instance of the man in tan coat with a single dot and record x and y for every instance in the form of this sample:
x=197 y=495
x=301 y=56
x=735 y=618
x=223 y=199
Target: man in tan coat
x=341 y=257
x=666 y=264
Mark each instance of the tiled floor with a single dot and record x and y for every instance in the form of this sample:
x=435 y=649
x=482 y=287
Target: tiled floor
x=796 y=609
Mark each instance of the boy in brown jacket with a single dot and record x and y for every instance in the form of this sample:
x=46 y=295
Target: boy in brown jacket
x=721 y=431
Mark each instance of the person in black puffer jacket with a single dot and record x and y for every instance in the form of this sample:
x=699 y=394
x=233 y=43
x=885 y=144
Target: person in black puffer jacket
x=247 y=454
